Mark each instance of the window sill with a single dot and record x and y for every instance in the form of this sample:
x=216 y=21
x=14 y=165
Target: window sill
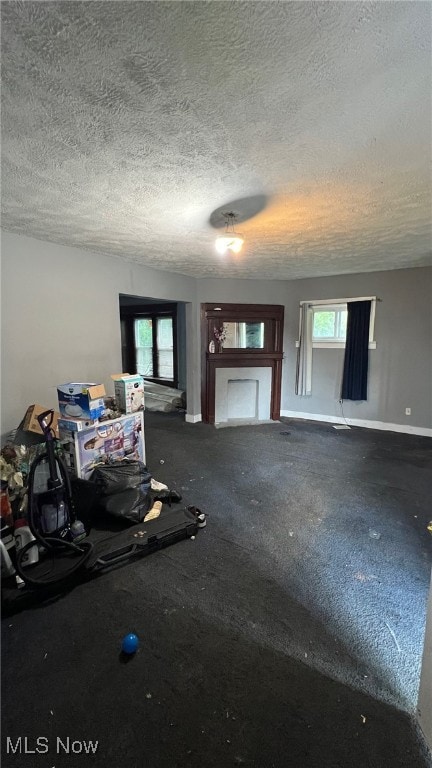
x=333 y=344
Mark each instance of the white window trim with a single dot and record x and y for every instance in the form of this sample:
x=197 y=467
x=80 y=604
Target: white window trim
x=335 y=302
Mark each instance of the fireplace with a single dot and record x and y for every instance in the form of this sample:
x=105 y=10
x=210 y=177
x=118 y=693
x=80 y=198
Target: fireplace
x=241 y=381
x=242 y=394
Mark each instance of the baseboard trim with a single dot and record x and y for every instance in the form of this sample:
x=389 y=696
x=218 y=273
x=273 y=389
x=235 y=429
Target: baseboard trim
x=193 y=418
x=367 y=423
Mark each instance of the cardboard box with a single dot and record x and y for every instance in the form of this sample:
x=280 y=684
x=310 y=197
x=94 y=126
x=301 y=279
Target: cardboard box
x=80 y=400
x=110 y=440
x=129 y=392
x=74 y=425
x=31 y=424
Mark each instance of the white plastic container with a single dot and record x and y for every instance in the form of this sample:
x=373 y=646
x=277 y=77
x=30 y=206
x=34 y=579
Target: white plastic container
x=23 y=536
x=7 y=568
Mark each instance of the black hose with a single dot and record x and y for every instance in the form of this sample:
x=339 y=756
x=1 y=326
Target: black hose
x=85 y=548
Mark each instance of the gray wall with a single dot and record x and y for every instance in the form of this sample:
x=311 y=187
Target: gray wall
x=400 y=373
x=181 y=345
x=60 y=319
x=401 y=365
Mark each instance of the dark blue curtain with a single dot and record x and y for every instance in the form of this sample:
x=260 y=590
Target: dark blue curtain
x=355 y=372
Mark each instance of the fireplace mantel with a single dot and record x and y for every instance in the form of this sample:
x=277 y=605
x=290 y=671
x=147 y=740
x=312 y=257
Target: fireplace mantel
x=270 y=356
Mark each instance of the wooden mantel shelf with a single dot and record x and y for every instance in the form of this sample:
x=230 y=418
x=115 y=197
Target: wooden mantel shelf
x=233 y=355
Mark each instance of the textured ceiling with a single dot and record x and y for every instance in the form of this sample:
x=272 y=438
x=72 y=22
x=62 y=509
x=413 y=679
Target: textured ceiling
x=126 y=124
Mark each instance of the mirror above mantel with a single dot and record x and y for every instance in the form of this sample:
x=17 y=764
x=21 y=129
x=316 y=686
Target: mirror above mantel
x=243 y=338
x=243 y=335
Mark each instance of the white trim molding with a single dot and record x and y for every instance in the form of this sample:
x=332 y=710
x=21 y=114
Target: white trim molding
x=367 y=423
x=339 y=301
x=193 y=418
x=333 y=344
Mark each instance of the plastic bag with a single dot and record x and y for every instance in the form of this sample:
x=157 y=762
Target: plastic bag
x=124 y=489
x=131 y=505
x=121 y=476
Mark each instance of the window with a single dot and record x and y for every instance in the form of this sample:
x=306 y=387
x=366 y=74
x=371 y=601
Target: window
x=329 y=322
x=164 y=348
x=144 y=346
x=149 y=340
x=154 y=347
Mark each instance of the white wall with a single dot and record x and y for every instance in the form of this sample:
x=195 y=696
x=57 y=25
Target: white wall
x=60 y=318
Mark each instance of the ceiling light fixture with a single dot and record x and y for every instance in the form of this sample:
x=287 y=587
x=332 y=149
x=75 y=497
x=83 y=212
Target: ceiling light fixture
x=231 y=240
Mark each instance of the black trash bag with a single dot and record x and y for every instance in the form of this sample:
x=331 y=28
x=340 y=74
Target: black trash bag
x=124 y=489
x=121 y=476
x=131 y=505
x=85 y=497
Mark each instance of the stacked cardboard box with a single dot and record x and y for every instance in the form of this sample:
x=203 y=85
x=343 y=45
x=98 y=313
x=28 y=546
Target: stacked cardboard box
x=81 y=405
x=88 y=438
x=110 y=440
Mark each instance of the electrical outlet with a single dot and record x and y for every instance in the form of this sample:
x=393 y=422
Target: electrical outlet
x=407 y=411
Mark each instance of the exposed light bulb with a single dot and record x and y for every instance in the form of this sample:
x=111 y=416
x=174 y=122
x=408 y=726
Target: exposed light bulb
x=231 y=243
x=230 y=240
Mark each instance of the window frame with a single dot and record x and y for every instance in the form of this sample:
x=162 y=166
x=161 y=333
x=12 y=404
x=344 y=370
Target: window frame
x=337 y=309
x=136 y=347
x=335 y=304
x=129 y=315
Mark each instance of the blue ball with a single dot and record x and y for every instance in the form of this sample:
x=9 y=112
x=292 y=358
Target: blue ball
x=130 y=643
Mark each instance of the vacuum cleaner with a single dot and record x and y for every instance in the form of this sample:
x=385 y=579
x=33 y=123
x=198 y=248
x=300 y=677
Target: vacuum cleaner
x=51 y=518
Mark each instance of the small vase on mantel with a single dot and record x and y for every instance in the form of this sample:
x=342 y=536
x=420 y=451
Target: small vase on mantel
x=219 y=346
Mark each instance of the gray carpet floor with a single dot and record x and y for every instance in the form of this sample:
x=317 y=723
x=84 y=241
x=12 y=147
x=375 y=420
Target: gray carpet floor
x=288 y=633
